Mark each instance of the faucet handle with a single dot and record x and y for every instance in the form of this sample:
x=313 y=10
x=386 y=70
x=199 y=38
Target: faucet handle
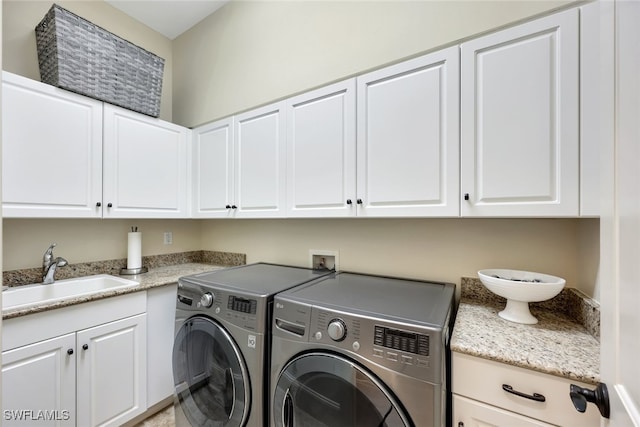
x=48 y=254
x=50 y=250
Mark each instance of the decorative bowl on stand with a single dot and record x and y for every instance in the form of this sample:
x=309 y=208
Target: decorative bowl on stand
x=520 y=288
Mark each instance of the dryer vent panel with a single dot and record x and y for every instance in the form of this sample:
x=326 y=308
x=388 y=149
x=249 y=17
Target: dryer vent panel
x=323 y=260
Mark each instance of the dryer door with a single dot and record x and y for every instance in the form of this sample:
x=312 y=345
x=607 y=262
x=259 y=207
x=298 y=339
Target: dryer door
x=321 y=389
x=210 y=376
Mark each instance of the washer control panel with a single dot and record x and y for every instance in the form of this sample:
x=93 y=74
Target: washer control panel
x=220 y=304
x=410 y=349
x=398 y=339
x=242 y=305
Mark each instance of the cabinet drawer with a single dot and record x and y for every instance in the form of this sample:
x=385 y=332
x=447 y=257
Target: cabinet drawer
x=482 y=380
x=469 y=413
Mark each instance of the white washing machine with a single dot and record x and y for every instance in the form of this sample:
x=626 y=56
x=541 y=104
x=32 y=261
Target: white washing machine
x=359 y=350
x=222 y=343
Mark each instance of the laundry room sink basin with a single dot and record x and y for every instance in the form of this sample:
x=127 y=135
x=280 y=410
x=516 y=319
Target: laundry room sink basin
x=36 y=294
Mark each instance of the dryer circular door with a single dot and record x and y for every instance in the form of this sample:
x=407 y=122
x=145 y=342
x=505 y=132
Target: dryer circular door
x=210 y=376
x=322 y=389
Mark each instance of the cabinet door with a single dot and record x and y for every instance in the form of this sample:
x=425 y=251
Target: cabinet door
x=213 y=170
x=260 y=159
x=161 y=305
x=470 y=413
x=519 y=120
x=596 y=98
x=51 y=151
x=408 y=138
x=145 y=166
x=39 y=383
x=111 y=372
x=321 y=152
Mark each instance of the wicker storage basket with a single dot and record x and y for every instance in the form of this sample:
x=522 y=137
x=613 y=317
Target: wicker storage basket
x=79 y=56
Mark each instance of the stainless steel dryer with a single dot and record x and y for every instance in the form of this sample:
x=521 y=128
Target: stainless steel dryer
x=221 y=346
x=359 y=350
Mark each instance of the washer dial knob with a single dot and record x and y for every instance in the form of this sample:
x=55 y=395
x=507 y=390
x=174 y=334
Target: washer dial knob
x=206 y=300
x=337 y=330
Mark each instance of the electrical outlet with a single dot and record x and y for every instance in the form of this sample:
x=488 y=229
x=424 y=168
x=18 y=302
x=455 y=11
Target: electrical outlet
x=323 y=260
x=168 y=238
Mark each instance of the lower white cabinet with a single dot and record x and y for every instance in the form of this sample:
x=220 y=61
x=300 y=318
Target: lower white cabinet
x=161 y=308
x=40 y=377
x=81 y=365
x=111 y=372
x=479 y=397
x=470 y=413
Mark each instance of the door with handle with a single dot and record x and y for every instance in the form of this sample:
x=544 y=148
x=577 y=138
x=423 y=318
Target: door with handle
x=620 y=227
x=319 y=389
x=210 y=377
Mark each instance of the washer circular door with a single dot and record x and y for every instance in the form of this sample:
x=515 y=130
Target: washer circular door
x=209 y=374
x=320 y=389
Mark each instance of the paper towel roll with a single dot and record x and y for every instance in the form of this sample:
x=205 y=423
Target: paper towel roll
x=134 y=250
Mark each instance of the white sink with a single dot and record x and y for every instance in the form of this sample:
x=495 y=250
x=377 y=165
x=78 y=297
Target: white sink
x=32 y=295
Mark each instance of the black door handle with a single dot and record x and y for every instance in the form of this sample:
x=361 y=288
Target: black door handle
x=600 y=396
x=85 y=346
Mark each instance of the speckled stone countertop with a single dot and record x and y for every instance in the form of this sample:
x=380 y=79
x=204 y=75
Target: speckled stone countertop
x=559 y=344
x=158 y=275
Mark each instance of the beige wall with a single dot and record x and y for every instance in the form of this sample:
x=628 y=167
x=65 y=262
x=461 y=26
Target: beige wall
x=440 y=249
x=254 y=52
x=20 y=56
x=83 y=240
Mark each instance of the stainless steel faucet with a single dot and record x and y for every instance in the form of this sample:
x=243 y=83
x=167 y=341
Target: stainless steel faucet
x=49 y=265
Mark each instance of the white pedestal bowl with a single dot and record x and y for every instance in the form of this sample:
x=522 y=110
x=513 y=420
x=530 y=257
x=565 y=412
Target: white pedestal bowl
x=520 y=288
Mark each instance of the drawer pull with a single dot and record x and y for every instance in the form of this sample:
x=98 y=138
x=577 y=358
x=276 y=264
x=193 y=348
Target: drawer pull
x=535 y=396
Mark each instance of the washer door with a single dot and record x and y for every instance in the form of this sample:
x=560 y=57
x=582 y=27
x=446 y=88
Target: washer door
x=210 y=377
x=320 y=389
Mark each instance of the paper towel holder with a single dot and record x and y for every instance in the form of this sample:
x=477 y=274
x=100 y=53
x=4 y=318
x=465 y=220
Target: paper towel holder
x=133 y=271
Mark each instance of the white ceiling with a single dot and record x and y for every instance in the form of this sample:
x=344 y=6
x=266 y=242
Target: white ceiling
x=168 y=17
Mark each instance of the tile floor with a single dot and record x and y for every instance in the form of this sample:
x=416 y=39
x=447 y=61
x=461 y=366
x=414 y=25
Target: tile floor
x=164 y=418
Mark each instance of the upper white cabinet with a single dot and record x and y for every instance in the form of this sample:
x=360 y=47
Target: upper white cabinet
x=321 y=152
x=146 y=172
x=213 y=170
x=51 y=151
x=408 y=138
x=260 y=163
x=69 y=156
x=596 y=97
x=519 y=120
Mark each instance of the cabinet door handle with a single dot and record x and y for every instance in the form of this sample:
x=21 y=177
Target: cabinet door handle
x=466 y=196
x=234 y=207
x=109 y=205
x=535 y=396
x=349 y=201
x=228 y=207
x=359 y=201
x=70 y=351
x=85 y=346
x=98 y=204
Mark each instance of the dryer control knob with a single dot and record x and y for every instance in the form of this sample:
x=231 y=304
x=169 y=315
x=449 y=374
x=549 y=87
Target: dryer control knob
x=206 y=300
x=337 y=330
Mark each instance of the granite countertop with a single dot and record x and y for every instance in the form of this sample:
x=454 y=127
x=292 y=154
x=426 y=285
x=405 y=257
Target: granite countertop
x=559 y=344
x=157 y=276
